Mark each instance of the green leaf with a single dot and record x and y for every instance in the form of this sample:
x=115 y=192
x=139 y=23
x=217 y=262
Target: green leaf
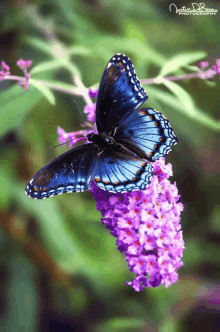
x=192 y=68
x=46 y=91
x=40 y=45
x=15 y=103
x=45 y=66
x=121 y=324
x=67 y=8
x=73 y=69
x=52 y=225
x=182 y=95
x=80 y=50
x=198 y=115
x=180 y=60
x=7 y=182
x=22 y=289
x=210 y=83
x=214 y=220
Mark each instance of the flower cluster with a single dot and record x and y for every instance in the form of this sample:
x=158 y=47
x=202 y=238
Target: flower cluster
x=147 y=227
x=209 y=73
x=73 y=137
x=5 y=70
x=24 y=65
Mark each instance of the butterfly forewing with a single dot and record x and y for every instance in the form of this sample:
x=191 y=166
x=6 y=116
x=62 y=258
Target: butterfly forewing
x=120 y=93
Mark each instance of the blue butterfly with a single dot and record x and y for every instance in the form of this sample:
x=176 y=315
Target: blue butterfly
x=119 y=158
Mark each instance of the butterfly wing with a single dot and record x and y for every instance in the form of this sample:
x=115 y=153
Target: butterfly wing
x=116 y=174
x=69 y=172
x=147 y=130
x=120 y=93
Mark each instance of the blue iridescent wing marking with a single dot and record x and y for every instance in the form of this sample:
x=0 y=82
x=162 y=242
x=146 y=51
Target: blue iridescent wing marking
x=119 y=175
x=70 y=172
x=148 y=130
x=120 y=93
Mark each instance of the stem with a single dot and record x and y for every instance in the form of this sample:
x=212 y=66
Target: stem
x=83 y=90
x=156 y=80
x=72 y=91
x=80 y=90
x=14 y=78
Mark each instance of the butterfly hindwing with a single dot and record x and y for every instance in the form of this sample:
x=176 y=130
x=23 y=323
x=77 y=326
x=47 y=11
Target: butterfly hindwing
x=149 y=131
x=118 y=175
x=120 y=93
x=70 y=172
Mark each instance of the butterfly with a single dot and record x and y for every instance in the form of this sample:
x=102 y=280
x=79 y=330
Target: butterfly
x=119 y=157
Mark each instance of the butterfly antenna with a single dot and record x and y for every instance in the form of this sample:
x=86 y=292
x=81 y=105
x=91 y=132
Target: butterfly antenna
x=80 y=114
x=55 y=146
x=84 y=125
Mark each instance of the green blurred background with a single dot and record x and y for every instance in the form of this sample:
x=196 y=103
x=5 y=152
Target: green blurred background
x=60 y=269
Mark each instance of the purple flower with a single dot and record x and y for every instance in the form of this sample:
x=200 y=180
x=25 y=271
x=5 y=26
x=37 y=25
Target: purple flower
x=90 y=110
x=72 y=138
x=5 y=70
x=209 y=73
x=24 y=66
x=93 y=92
x=204 y=64
x=147 y=227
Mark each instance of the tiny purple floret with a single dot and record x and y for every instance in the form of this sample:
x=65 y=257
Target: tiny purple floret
x=93 y=92
x=24 y=65
x=90 y=110
x=5 y=70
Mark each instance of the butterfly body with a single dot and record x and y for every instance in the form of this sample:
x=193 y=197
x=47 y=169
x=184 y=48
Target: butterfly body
x=119 y=158
x=101 y=140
